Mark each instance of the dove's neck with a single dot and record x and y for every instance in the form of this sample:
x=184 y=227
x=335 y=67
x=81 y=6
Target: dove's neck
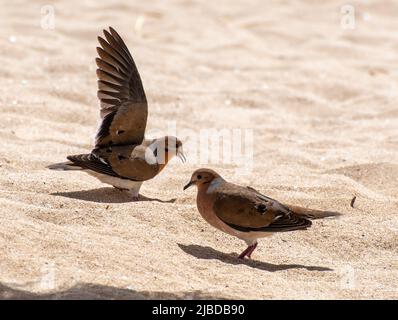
x=164 y=161
x=211 y=186
x=158 y=147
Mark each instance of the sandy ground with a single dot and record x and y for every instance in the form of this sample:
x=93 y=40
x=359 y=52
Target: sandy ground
x=321 y=101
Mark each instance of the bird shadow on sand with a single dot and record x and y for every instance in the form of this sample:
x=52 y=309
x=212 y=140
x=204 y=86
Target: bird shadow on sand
x=89 y=291
x=106 y=195
x=208 y=253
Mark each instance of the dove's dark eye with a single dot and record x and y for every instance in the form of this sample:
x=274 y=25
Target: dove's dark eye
x=199 y=177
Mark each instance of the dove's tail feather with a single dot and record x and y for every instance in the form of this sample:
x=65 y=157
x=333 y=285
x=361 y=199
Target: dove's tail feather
x=64 y=166
x=313 y=214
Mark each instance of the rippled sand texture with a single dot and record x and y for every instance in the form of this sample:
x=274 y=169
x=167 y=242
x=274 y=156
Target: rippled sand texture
x=322 y=102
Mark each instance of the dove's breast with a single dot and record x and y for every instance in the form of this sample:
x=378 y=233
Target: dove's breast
x=205 y=204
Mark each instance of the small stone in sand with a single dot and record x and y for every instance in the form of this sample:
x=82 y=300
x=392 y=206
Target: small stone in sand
x=353 y=201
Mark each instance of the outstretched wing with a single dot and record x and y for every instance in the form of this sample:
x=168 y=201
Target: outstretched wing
x=124 y=108
x=246 y=210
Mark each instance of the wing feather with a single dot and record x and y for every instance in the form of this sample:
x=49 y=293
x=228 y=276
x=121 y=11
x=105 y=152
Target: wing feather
x=89 y=161
x=124 y=108
x=246 y=210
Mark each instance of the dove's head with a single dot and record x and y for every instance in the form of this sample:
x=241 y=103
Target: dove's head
x=202 y=178
x=166 y=148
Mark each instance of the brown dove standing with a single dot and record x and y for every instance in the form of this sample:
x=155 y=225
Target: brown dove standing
x=245 y=213
x=122 y=157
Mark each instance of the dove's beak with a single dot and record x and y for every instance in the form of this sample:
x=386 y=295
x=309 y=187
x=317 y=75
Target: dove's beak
x=188 y=185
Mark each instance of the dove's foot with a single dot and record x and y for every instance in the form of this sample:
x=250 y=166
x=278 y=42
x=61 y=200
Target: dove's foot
x=120 y=189
x=136 y=198
x=248 y=251
x=133 y=193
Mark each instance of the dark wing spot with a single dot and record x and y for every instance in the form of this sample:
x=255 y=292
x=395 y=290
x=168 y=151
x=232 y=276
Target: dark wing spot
x=109 y=150
x=121 y=157
x=262 y=208
x=119 y=131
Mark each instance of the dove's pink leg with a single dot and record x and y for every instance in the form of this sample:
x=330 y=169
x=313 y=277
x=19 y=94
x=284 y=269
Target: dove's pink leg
x=243 y=254
x=248 y=251
x=253 y=247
